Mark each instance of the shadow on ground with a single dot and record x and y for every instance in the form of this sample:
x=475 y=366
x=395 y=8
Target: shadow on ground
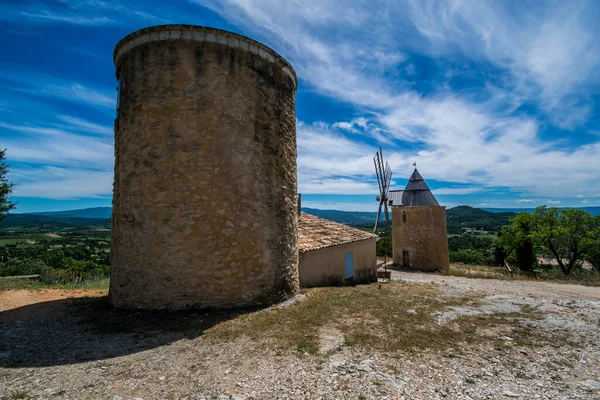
x=72 y=331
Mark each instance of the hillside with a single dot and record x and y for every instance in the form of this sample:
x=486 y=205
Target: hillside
x=344 y=217
x=49 y=222
x=95 y=212
x=591 y=210
x=470 y=217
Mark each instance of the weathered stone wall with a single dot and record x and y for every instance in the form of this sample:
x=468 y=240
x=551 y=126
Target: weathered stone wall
x=327 y=266
x=423 y=235
x=204 y=205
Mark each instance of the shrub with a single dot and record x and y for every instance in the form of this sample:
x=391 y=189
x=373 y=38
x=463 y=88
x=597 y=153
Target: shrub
x=25 y=266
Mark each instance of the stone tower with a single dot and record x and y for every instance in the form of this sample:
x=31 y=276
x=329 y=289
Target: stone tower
x=204 y=205
x=419 y=236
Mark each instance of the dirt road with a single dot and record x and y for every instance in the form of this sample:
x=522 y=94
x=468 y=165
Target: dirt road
x=56 y=347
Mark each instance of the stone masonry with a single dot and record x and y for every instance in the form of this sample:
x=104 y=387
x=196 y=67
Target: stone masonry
x=420 y=231
x=204 y=206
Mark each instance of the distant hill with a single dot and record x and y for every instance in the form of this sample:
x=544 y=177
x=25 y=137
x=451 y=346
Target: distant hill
x=95 y=212
x=457 y=217
x=470 y=217
x=489 y=219
x=28 y=221
x=591 y=210
x=345 y=217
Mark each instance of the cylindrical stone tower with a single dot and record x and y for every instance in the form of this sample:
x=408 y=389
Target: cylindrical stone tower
x=204 y=205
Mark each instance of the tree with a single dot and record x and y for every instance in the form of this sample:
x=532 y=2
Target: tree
x=593 y=252
x=516 y=241
x=5 y=188
x=565 y=233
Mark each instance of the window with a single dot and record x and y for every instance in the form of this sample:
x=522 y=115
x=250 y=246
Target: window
x=118 y=96
x=404 y=217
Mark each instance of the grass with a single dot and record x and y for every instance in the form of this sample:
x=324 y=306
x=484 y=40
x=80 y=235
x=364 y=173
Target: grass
x=18 y=395
x=16 y=284
x=485 y=272
x=368 y=317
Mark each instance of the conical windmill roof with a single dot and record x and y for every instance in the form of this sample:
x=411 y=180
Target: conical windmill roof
x=417 y=193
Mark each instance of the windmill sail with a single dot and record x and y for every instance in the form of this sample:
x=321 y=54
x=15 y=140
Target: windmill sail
x=384 y=177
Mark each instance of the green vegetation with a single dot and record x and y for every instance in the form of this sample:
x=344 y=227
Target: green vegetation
x=567 y=236
x=469 y=249
x=60 y=250
x=476 y=221
x=5 y=187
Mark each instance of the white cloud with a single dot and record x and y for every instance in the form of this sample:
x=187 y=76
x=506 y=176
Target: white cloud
x=62 y=183
x=524 y=201
x=553 y=202
x=456 y=136
x=63 y=148
x=456 y=191
x=89 y=13
x=585 y=201
x=86 y=126
x=68 y=18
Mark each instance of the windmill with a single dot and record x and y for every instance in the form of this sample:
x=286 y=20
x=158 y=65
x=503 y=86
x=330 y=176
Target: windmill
x=384 y=177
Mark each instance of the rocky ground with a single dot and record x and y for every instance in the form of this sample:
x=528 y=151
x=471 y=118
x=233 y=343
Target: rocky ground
x=77 y=349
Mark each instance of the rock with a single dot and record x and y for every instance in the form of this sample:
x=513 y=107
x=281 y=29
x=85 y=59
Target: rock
x=227 y=371
x=238 y=397
x=117 y=398
x=411 y=311
x=591 y=383
x=511 y=394
x=161 y=378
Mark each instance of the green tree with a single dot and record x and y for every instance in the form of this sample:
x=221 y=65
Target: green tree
x=516 y=241
x=593 y=252
x=565 y=233
x=5 y=188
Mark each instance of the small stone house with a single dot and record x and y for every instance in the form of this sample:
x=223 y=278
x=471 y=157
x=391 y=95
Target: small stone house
x=333 y=254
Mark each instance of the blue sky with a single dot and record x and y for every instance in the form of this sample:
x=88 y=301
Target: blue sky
x=498 y=102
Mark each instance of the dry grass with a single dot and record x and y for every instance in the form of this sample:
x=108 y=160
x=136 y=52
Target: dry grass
x=485 y=272
x=397 y=317
x=16 y=284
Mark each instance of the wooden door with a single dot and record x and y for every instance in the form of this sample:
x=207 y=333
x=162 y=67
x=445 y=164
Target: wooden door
x=405 y=259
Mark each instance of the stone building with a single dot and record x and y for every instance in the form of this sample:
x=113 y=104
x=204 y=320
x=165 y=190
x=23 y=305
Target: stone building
x=419 y=235
x=333 y=253
x=204 y=205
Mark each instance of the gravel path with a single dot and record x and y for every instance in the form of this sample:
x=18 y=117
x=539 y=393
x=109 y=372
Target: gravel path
x=55 y=350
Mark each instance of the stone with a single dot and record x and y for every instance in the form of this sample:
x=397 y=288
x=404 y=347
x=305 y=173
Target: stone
x=591 y=383
x=224 y=133
x=508 y=393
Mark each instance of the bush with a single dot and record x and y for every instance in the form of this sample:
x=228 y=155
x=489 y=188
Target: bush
x=469 y=256
x=25 y=266
x=59 y=276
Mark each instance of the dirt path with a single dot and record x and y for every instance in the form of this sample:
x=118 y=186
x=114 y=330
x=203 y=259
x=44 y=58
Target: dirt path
x=491 y=287
x=54 y=344
x=11 y=299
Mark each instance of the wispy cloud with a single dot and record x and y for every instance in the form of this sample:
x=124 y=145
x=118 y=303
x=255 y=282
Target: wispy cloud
x=545 y=57
x=87 y=13
x=456 y=191
x=68 y=18
x=553 y=202
x=80 y=124
x=524 y=201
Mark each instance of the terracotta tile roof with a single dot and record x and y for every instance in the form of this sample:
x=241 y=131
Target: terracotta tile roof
x=316 y=233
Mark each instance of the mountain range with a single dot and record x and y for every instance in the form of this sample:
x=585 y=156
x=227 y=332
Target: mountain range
x=461 y=216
